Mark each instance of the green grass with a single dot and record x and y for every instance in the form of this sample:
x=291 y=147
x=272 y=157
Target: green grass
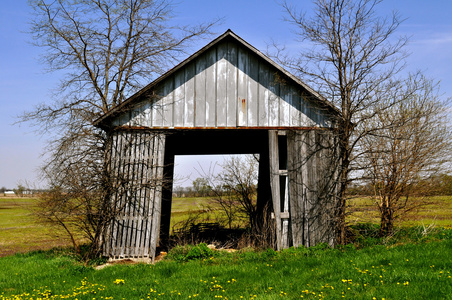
x=416 y=263
x=419 y=270
x=181 y=207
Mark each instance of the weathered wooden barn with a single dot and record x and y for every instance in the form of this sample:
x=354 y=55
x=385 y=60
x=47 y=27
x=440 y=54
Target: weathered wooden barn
x=227 y=98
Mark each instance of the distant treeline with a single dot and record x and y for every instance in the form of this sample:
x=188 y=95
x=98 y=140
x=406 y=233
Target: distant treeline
x=20 y=191
x=438 y=185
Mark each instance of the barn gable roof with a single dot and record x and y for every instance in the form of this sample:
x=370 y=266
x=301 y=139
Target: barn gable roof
x=226 y=84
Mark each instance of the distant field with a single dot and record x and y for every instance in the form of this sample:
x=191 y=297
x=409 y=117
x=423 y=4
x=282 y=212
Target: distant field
x=199 y=208
x=432 y=210
x=21 y=232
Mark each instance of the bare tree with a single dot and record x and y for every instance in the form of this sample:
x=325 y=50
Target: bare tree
x=108 y=50
x=411 y=145
x=235 y=189
x=351 y=58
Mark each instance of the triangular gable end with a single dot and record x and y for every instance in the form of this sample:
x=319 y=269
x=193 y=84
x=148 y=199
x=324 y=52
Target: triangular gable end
x=226 y=84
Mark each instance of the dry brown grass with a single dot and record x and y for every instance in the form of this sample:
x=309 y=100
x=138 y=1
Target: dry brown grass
x=435 y=210
x=20 y=231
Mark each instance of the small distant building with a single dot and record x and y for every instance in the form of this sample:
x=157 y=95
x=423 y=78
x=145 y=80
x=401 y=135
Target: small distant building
x=227 y=98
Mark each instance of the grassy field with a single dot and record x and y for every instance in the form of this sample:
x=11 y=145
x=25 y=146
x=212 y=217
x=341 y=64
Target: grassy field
x=181 y=207
x=21 y=232
x=435 y=211
x=199 y=209
x=419 y=270
x=414 y=264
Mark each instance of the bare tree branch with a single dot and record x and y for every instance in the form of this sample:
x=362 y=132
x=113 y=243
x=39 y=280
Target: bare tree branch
x=351 y=58
x=107 y=49
x=410 y=143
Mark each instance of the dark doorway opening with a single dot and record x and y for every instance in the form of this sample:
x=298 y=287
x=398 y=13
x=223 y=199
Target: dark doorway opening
x=213 y=142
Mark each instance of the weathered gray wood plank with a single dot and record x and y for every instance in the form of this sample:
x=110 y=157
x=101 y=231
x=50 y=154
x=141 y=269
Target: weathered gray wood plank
x=222 y=85
x=273 y=101
x=274 y=183
x=152 y=160
x=211 y=84
x=296 y=157
x=310 y=190
x=200 y=92
x=168 y=103
x=190 y=96
x=232 y=74
x=179 y=99
x=294 y=109
x=252 y=109
x=242 y=89
x=141 y=201
x=157 y=201
x=264 y=95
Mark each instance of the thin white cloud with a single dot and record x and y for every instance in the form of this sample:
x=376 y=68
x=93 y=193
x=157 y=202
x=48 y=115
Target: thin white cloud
x=438 y=39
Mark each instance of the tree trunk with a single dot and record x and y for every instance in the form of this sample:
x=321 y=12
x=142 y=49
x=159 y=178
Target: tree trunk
x=387 y=220
x=342 y=182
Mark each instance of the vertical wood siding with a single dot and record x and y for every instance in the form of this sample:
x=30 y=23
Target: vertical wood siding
x=136 y=166
x=312 y=163
x=302 y=187
x=227 y=86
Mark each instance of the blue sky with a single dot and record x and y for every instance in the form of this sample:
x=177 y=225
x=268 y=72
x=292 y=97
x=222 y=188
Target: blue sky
x=24 y=83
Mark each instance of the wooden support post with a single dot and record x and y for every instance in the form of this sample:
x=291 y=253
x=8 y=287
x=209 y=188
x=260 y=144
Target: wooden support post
x=168 y=171
x=284 y=189
x=279 y=187
x=274 y=183
x=159 y=152
x=263 y=203
x=285 y=214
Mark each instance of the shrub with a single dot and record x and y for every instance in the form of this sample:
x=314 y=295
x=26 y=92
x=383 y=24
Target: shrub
x=191 y=252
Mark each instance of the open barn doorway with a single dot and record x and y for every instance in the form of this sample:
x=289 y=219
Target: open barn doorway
x=214 y=199
x=228 y=199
